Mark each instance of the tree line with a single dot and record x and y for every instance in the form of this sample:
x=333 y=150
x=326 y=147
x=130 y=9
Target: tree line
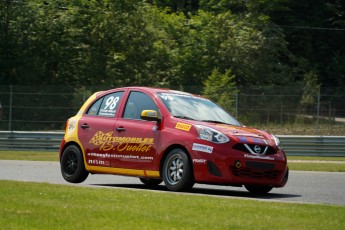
x=202 y=46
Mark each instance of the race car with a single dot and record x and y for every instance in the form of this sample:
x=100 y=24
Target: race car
x=172 y=136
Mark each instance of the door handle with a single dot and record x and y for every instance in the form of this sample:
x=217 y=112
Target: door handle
x=120 y=129
x=84 y=126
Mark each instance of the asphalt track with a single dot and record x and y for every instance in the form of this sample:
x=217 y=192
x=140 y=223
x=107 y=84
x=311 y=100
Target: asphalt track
x=302 y=187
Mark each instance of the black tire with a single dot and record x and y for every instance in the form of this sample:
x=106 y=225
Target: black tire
x=151 y=182
x=72 y=165
x=258 y=189
x=177 y=171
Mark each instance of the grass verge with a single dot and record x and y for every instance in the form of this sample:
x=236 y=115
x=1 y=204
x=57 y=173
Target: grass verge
x=320 y=167
x=303 y=129
x=29 y=155
x=46 y=206
x=323 y=164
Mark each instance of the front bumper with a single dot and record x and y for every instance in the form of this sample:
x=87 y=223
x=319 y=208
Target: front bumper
x=238 y=168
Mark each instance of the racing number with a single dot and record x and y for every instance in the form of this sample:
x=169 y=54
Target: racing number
x=111 y=102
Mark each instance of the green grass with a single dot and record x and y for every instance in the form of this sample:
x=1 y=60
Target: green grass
x=321 y=167
x=46 y=206
x=311 y=158
x=303 y=129
x=29 y=155
x=317 y=164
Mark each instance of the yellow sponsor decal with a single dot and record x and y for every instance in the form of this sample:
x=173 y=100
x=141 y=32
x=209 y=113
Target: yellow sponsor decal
x=134 y=148
x=182 y=126
x=134 y=144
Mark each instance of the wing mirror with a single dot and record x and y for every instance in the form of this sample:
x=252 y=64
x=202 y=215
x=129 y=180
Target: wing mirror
x=150 y=115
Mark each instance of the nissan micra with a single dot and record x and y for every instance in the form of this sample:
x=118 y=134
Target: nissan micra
x=165 y=135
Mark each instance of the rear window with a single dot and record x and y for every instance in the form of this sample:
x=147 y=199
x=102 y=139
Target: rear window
x=106 y=106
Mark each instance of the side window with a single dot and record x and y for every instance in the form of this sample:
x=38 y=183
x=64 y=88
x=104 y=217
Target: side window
x=106 y=106
x=136 y=103
x=95 y=107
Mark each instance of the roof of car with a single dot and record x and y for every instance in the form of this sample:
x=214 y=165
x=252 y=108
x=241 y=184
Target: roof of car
x=150 y=89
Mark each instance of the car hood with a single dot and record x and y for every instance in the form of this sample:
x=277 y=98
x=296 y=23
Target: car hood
x=244 y=134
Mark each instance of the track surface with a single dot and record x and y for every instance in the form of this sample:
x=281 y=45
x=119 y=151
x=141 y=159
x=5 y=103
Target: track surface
x=306 y=187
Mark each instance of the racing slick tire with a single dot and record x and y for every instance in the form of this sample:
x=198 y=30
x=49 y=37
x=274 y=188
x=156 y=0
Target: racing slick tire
x=258 y=189
x=151 y=183
x=177 y=171
x=72 y=165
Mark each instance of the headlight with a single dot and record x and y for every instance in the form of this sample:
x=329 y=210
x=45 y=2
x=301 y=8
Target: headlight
x=276 y=140
x=212 y=135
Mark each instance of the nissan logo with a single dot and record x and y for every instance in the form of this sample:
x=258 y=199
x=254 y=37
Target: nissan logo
x=257 y=149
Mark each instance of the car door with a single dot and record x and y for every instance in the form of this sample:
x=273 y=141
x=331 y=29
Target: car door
x=137 y=139
x=96 y=128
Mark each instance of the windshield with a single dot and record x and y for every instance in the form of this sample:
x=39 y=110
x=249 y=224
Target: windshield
x=187 y=106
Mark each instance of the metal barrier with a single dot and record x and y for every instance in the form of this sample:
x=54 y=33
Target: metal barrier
x=313 y=145
x=25 y=140
x=292 y=145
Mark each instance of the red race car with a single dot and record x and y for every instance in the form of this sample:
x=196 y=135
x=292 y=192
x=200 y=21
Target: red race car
x=171 y=136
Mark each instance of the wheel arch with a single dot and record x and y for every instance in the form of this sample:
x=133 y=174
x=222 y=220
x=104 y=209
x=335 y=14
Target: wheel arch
x=167 y=150
x=69 y=144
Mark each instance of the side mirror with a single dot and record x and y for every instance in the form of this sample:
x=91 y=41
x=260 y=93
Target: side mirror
x=150 y=115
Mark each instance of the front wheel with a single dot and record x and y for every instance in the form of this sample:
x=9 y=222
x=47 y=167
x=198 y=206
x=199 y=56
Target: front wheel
x=72 y=165
x=177 y=171
x=258 y=189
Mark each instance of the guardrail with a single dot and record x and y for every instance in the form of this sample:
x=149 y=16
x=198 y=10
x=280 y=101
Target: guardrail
x=292 y=145
x=25 y=140
x=313 y=145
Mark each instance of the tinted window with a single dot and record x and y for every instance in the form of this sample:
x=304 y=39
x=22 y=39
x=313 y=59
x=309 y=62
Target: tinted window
x=106 y=106
x=95 y=107
x=137 y=102
x=187 y=106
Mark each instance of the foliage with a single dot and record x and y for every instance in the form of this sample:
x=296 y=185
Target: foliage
x=311 y=89
x=132 y=43
x=221 y=88
x=314 y=30
x=176 y=44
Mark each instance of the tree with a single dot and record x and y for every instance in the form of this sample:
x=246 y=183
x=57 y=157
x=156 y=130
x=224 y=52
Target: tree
x=314 y=31
x=221 y=88
x=15 y=18
x=311 y=90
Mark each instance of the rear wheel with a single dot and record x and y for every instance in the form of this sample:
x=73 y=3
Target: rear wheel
x=258 y=189
x=151 y=182
x=72 y=165
x=177 y=171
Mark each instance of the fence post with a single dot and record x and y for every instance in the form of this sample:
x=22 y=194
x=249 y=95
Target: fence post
x=10 y=111
x=0 y=111
x=318 y=112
